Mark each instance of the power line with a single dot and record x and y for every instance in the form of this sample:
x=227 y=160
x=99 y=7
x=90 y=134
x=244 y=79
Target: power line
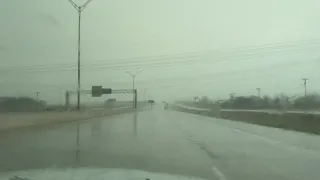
x=186 y=56
x=141 y=65
x=179 y=83
x=282 y=44
x=187 y=84
x=197 y=54
x=221 y=74
x=109 y=61
x=276 y=46
x=135 y=61
x=179 y=80
x=228 y=73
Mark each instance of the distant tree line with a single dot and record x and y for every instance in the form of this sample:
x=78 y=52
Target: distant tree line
x=21 y=104
x=282 y=101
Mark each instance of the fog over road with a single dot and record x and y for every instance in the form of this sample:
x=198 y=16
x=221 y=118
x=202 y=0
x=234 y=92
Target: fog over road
x=168 y=142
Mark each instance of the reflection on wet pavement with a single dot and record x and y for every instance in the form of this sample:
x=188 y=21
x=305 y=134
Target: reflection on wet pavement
x=132 y=141
x=159 y=140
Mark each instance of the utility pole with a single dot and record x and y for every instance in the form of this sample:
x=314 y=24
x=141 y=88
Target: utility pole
x=38 y=96
x=38 y=99
x=305 y=85
x=133 y=75
x=79 y=10
x=259 y=90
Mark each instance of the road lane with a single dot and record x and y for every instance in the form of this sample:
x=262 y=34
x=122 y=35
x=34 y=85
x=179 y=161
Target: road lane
x=166 y=141
x=132 y=141
x=246 y=151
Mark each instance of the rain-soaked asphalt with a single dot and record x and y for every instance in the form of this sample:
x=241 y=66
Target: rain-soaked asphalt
x=166 y=141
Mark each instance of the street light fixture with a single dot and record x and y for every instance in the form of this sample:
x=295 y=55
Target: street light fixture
x=133 y=75
x=79 y=10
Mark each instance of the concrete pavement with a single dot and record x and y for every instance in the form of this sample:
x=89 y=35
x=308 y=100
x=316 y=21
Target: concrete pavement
x=168 y=142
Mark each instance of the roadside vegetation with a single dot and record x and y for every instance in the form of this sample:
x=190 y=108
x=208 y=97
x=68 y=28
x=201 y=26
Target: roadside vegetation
x=281 y=102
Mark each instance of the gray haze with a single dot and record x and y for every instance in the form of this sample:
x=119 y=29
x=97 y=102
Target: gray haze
x=184 y=47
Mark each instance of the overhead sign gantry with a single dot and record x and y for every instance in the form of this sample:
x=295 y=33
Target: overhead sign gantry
x=98 y=91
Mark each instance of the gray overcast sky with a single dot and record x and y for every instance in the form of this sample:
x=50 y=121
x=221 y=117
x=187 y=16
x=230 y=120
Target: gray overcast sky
x=184 y=47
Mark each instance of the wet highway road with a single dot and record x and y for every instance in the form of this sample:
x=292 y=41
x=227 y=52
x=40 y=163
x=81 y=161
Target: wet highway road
x=166 y=141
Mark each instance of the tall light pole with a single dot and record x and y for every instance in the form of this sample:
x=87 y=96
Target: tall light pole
x=79 y=10
x=133 y=75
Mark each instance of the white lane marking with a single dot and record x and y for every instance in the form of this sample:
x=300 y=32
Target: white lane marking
x=258 y=136
x=300 y=149
x=121 y=107
x=272 y=141
x=98 y=109
x=218 y=174
x=237 y=130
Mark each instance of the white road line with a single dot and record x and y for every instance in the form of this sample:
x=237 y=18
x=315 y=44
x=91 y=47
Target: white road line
x=218 y=174
x=97 y=109
x=121 y=107
x=273 y=141
x=258 y=136
x=237 y=130
x=283 y=144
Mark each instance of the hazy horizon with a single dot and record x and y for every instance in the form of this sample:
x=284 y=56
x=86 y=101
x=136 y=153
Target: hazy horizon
x=184 y=48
